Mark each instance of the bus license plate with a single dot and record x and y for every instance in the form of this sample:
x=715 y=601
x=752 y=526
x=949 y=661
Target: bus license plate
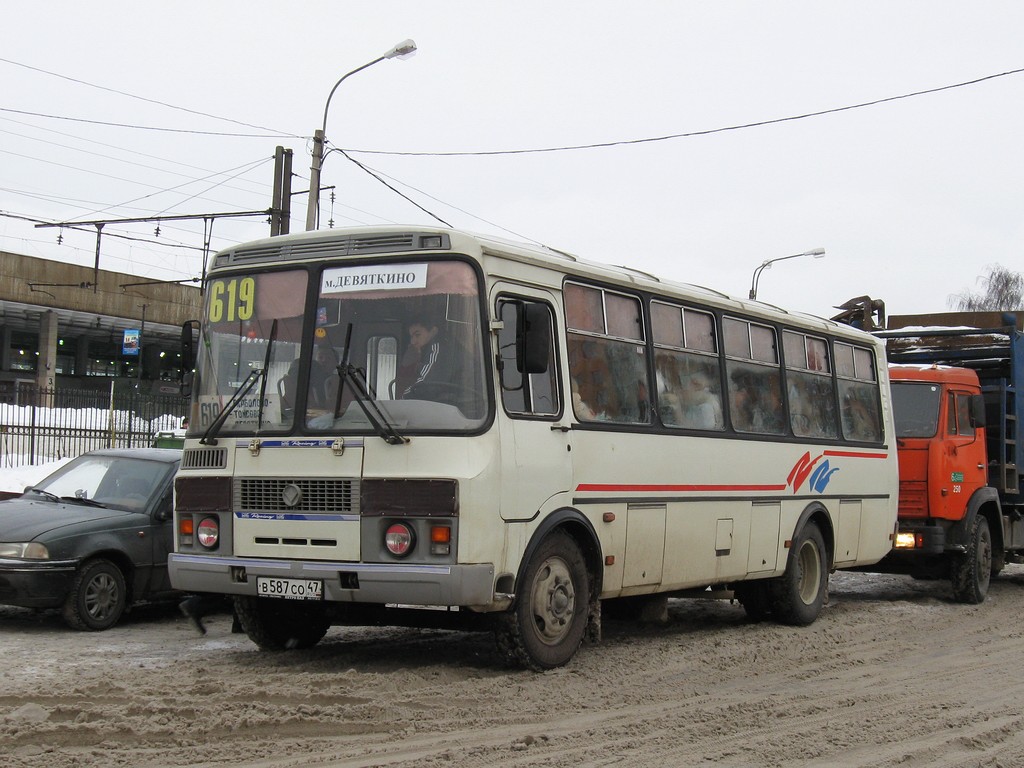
x=290 y=589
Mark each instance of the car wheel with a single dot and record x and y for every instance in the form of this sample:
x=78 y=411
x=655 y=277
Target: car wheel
x=97 y=598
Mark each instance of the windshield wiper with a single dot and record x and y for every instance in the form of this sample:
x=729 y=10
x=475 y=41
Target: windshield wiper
x=210 y=436
x=83 y=500
x=357 y=379
x=266 y=367
x=369 y=404
x=47 y=494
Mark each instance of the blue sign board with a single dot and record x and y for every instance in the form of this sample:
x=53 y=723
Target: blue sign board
x=130 y=344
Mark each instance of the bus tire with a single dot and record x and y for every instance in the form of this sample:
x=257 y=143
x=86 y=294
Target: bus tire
x=279 y=625
x=546 y=625
x=755 y=597
x=971 y=571
x=799 y=594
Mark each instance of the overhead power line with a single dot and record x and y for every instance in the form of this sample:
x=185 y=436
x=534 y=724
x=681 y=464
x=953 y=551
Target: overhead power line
x=689 y=134
x=145 y=98
x=155 y=128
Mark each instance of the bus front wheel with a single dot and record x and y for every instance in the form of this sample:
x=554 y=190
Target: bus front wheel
x=278 y=625
x=799 y=594
x=547 y=623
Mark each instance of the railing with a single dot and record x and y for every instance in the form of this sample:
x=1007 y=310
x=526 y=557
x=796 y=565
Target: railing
x=51 y=424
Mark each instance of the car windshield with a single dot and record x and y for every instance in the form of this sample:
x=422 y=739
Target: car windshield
x=378 y=349
x=915 y=408
x=112 y=481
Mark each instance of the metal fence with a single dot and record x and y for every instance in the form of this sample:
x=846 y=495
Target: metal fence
x=51 y=424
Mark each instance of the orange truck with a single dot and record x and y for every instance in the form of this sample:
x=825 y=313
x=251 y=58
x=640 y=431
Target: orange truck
x=954 y=382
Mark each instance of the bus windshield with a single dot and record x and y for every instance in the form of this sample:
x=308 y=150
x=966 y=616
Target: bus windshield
x=374 y=348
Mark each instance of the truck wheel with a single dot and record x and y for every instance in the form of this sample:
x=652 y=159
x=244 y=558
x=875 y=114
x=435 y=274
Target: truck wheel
x=798 y=595
x=547 y=623
x=278 y=625
x=97 y=598
x=971 y=571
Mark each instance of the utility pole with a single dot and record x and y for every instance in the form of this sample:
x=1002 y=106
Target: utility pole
x=314 y=176
x=281 y=204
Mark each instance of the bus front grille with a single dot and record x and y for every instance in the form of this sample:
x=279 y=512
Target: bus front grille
x=312 y=495
x=204 y=458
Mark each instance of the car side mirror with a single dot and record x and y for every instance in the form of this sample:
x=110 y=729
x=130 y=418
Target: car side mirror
x=165 y=510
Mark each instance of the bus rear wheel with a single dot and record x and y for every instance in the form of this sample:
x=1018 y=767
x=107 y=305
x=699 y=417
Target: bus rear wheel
x=278 y=625
x=799 y=594
x=547 y=623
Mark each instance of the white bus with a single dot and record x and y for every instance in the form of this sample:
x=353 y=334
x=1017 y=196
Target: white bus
x=418 y=425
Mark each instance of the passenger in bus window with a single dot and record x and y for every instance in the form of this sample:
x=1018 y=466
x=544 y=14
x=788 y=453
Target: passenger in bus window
x=756 y=402
x=860 y=413
x=686 y=395
x=702 y=408
x=594 y=394
x=323 y=377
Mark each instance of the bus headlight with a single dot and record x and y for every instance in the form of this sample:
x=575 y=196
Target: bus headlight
x=208 y=532
x=399 y=539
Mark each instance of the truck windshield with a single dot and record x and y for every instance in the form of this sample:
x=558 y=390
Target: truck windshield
x=409 y=331
x=916 y=408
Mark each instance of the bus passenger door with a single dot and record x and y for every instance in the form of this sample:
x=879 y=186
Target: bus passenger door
x=534 y=445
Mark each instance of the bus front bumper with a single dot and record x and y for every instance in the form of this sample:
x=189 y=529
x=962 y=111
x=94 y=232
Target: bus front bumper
x=378 y=583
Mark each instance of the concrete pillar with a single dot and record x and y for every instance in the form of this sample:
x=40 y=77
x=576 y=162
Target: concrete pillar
x=46 y=365
x=5 y=351
x=151 y=358
x=82 y=356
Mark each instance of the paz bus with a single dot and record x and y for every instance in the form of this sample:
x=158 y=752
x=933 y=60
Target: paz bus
x=420 y=426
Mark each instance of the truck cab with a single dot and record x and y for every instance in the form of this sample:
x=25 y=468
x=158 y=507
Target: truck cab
x=942 y=455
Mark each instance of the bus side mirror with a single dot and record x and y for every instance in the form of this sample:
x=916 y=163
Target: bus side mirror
x=977 y=415
x=533 y=342
x=188 y=347
x=188 y=355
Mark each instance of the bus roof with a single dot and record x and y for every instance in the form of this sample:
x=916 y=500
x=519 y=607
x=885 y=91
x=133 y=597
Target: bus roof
x=367 y=240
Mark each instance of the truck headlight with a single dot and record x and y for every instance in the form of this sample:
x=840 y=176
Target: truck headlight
x=905 y=540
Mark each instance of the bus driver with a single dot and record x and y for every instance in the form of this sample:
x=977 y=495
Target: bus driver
x=432 y=358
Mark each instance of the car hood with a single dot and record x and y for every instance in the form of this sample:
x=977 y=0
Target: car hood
x=26 y=519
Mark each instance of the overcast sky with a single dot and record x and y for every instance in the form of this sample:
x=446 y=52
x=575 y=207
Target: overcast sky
x=913 y=199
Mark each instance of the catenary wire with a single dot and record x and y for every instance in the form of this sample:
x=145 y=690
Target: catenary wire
x=689 y=134
x=146 y=99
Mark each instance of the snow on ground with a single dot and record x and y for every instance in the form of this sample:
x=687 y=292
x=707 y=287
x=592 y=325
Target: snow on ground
x=17 y=478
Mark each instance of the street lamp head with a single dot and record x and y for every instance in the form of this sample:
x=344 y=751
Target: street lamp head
x=817 y=253
x=403 y=50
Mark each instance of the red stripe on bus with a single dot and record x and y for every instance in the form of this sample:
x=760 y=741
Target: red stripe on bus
x=643 y=488
x=856 y=455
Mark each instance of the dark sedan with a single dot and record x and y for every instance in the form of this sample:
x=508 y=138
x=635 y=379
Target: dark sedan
x=92 y=538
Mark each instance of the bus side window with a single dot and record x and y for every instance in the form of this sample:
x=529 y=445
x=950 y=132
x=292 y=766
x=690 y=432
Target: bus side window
x=521 y=392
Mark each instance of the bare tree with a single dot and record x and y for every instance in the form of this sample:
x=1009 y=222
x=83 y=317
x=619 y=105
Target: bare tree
x=1004 y=291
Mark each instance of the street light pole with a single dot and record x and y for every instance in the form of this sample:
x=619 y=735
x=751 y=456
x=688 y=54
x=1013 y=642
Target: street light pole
x=403 y=50
x=816 y=253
